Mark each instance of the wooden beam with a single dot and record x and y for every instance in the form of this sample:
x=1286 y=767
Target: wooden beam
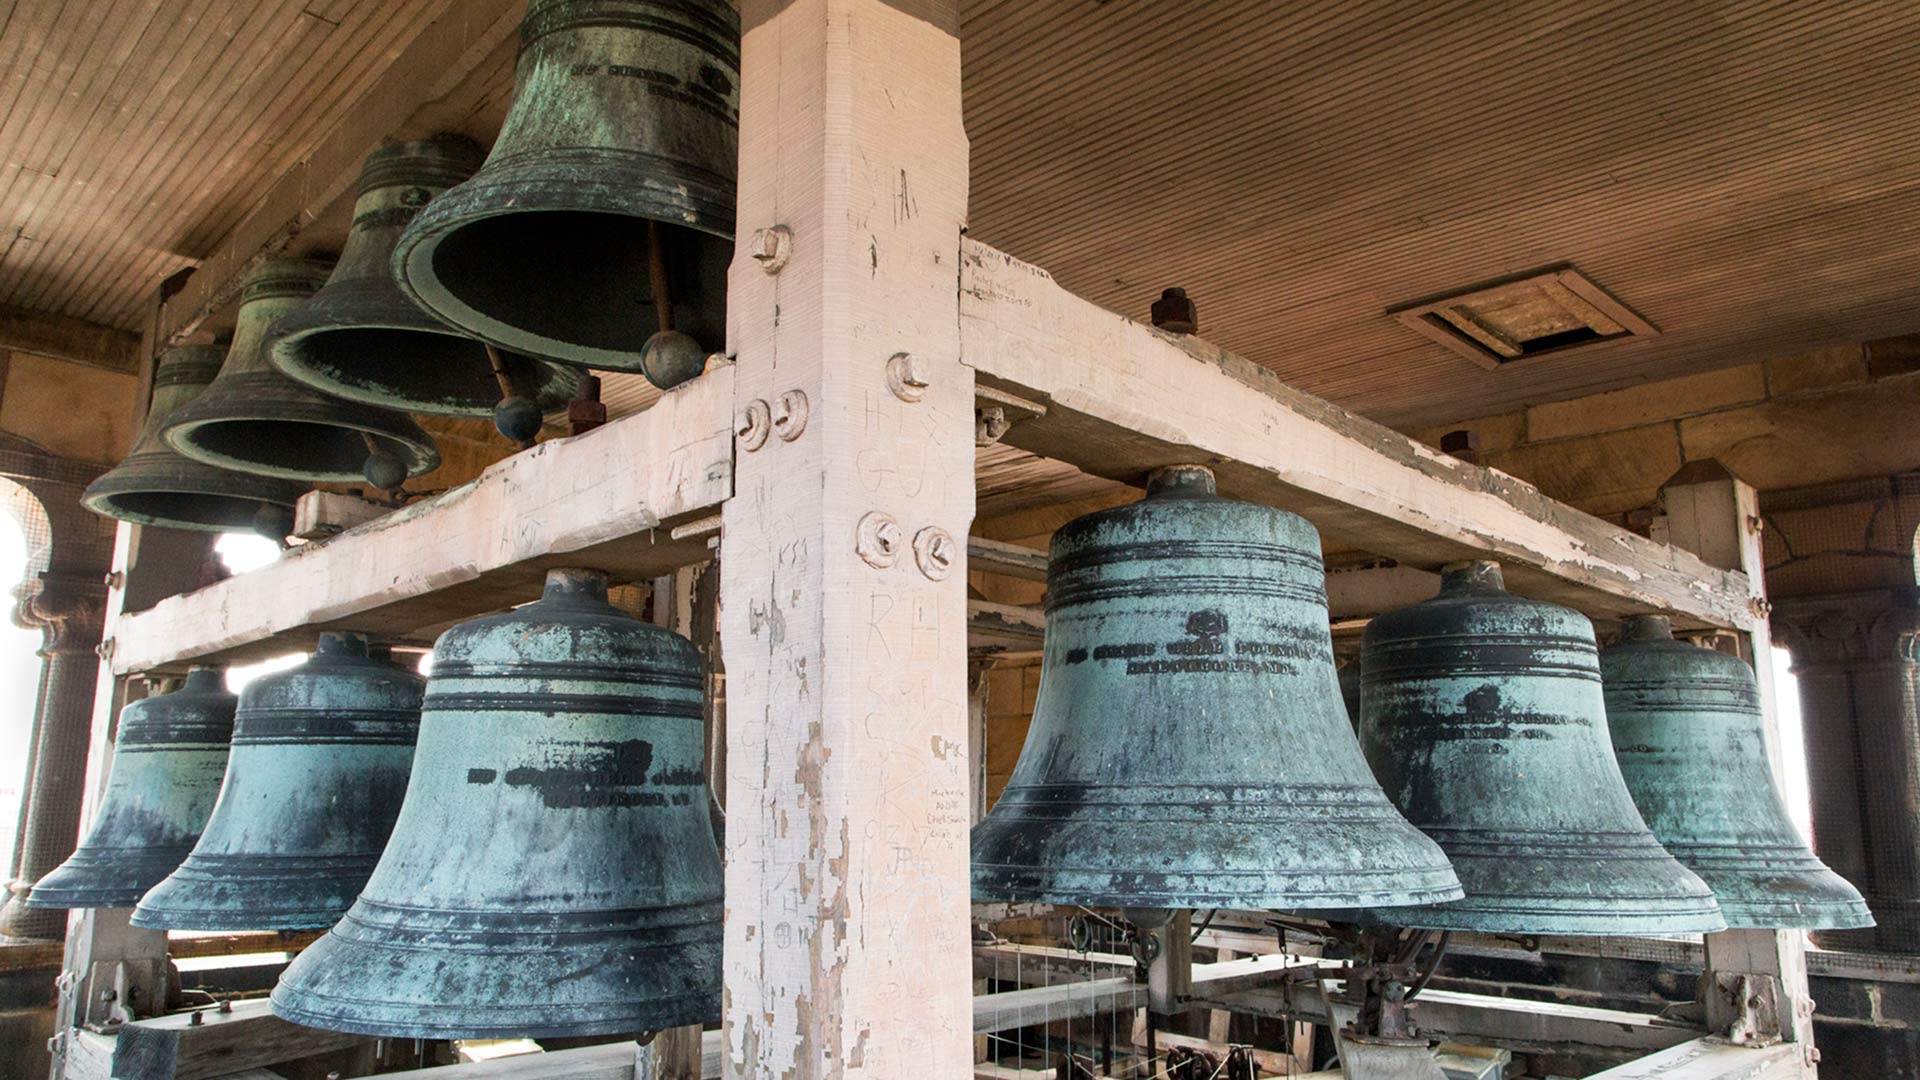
x=612 y=1061
x=607 y=499
x=845 y=646
x=1092 y=997
x=1710 y=1059
x=63 y=337
x=1123 y=398
x=412 y=99
x=208 y=1043
x=1009 y=560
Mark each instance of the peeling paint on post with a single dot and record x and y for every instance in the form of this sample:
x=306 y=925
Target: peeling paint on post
x=847 y=899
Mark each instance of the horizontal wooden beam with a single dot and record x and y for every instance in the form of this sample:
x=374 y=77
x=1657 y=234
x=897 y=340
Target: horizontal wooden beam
x=208 y=1043
x=1514 y=1023
x=1711 y=1059
x=1122 y=398
x=413 y=98
x=1094 y=997
x=1004 y=627
x=64 y=337
x=608 y=500
x=1007 y=560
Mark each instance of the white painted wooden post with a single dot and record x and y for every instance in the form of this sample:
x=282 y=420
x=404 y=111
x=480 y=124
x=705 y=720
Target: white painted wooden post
x=843 y=588
x=1716 y=515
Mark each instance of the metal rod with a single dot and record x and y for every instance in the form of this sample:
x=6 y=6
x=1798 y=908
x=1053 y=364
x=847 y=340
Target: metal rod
x=657 y=273
x=500 y=375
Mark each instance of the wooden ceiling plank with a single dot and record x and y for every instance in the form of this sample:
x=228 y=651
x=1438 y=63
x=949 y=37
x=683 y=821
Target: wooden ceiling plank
x=248 y=135
x=427 y=70
x=254 y=23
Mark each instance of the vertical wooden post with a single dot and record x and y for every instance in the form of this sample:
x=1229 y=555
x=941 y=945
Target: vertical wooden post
x=1716 y=515
x=843 y=592
x=104 y=953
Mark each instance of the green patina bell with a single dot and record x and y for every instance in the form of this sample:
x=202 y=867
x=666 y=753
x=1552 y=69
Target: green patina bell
x=1483 y=719
x=320 y=759
x=157 y=485
x=1189 y=747
x=168 y=758
x=604 y=214
x=554 y=871
x=361 y=337
x=255 y=420
x=1691 y=741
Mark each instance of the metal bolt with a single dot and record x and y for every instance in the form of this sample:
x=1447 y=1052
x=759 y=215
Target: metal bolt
x=935 y=552
x=752 y=424
x=196 y=1019
x=1176 y=314
x=104 y=650
x=772 y=248
x=878 y=539
x=115 y=579
x=226 y=1005
x=906 y=377
x=1755 y=523
x=790 y=415
x=990 y=424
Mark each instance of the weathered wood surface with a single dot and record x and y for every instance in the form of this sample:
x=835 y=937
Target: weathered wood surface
x=1097 y=996
x=430 y=85
x=176 y=1047
x=1123 y=398
x=847 y=785
x=1711 y=1059
x=607 y=499
x=1513 y=1023
x=64 y=337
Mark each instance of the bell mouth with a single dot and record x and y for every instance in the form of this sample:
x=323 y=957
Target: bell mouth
x=415 y=369
x=294 y=449
x=586 y=297
x=181 y=510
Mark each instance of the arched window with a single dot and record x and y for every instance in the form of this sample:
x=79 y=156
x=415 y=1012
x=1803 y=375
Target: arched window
x=25 y=546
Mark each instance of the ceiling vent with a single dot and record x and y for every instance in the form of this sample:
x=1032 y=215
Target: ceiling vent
x=1523 y=317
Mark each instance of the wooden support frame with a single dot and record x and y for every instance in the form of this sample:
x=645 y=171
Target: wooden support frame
x=1122 y=398
x=608 y=499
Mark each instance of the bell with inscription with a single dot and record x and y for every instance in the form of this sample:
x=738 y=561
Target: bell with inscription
x=157 y=485
x=600 y=229
x=168 y=757
x=1189 y=748
x=1483 y=720
x=1691 y=742
x=320 y=759
x=255 y=420
x=361 y=338
x=553 y=872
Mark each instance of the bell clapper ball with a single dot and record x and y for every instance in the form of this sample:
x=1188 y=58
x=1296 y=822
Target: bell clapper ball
x=518 y=418
x=670 y=358
x=385 y=470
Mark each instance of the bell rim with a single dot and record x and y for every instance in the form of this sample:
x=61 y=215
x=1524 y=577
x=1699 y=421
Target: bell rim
x=117 y=483
x=512 y=186
x=286 y=354
x=1467 y=917
x=396 y=429
x=135 y=880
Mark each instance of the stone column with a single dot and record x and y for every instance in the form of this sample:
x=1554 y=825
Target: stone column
x=70 y=612
x=1855 y=656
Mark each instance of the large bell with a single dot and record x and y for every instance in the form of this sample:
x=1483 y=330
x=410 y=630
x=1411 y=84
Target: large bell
x=553 y=871
x=156 y=485
x=167 y=761
x=1482 y=717
x=256 y=420
x=1189 y=747
x=362 y=339
x=1692 y=745
x=609 y=192
x=320 y=759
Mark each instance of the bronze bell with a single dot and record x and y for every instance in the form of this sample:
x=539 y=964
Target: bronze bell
x=1483 y=719
x=320 y=759
x=604 y=215
x=1188 y=747
x=168 y=757
x=256 y=420
x=1692 y=745
x=156 y=485
x=553 y=871
x=362 y=339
